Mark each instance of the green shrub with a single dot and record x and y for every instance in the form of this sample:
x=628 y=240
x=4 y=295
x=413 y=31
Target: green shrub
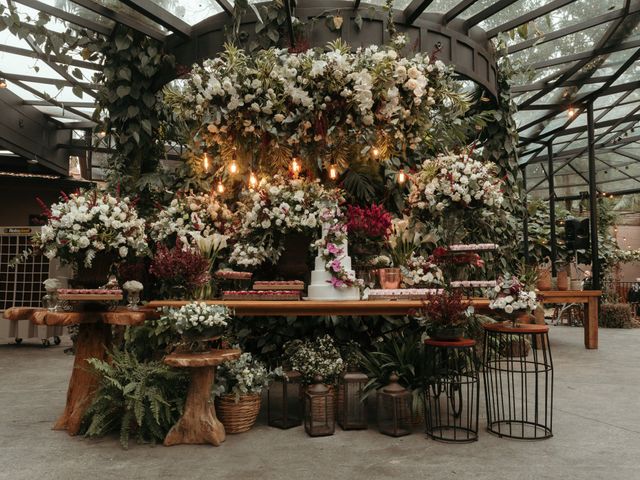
x=615 y=315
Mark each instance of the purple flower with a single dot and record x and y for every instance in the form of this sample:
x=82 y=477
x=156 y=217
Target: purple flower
x=336 y=282
x=333 y=249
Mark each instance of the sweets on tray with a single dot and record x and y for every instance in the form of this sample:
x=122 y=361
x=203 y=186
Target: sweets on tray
x=261 y=295
x=473 y=284
x=88 y=294
x=279 y=285
x=401 y=293
x=472 y=247
x=233 y=275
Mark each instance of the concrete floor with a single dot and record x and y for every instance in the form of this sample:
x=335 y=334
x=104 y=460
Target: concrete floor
x=596 y=432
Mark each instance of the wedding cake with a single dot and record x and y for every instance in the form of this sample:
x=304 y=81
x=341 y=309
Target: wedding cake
x=321 y=288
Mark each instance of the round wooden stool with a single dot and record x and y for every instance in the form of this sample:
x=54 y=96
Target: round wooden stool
x=453 y=391
x=518 y=380
x=199 y=423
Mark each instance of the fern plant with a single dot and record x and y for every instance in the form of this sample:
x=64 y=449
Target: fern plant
x=140 y=399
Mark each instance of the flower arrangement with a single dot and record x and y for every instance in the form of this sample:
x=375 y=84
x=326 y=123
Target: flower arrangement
x=195 y=322
x=454 y=181
x=332 y=249
x=87 y=223
x=190 y=216
x=369 y=229
x=419 y=271
x=244 y=376
x=180 y=272
x=316 y=356
x=511 y=295
x=403 y=241
x=273 y=209
x=445 y=314
x=132 y=286
x=278 y=98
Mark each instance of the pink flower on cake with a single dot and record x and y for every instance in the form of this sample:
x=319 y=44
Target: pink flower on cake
x=336 y=266
x=336 y=282
x=333 y=249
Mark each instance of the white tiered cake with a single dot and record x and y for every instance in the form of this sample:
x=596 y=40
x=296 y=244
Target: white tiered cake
x=321 y=289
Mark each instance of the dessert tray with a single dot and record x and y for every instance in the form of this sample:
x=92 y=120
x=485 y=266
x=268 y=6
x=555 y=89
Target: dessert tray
x=262 y=295
x=400 y=293
x=233 y=275
x=88 y=295
x=279 y=285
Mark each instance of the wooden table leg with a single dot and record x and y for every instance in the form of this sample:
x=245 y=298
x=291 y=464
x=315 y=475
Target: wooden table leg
x=198 y=423
x=591 y=323
x=92 y=342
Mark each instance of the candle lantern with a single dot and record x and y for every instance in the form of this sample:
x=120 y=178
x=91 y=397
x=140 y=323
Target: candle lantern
x=284 y=405
x=319 y=411
x=352 y=412
x=394 y=409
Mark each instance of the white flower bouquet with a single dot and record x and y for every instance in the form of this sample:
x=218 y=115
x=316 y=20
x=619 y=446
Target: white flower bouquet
x=87 y=223
x=420 y=272
x=511 y=295
x=316 y=356
x=454 y=181
x=132 y=286
x=196 y=321
x=244 y=376
x=189 y=217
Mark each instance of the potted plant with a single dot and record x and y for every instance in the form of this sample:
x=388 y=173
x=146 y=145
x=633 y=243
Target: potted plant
x=513 y=297
x=445 y=315
x=90 y=230
x=238 y=389
x=196 y=323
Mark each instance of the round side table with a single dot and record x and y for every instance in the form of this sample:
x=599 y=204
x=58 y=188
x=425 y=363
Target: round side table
x=518 y=380
x=199 y=423
x=453 y=391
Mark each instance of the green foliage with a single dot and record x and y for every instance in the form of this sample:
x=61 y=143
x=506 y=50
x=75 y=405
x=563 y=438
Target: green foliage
x=140 y=399
x=539 y=231
x=615 y=315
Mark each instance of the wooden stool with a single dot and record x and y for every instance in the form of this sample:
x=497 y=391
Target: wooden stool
x=94 y=339
x=518 y=381
x=453 y=391
x=199 y=423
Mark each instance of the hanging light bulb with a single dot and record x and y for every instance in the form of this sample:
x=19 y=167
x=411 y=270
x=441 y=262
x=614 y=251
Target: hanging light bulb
x=402 y=177
x=375 y=152
x=220 y=187
x=102 y=134
x=205 y=163
x=295 y=167
x=333 y=171
x=253 y=180
x=571 y=112
x=233 y=166
x=3 y=83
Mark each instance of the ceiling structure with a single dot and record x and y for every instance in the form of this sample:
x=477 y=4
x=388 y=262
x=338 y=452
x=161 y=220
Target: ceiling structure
x=576 y=51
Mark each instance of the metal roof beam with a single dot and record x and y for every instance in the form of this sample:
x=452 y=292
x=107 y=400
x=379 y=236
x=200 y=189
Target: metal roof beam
x=226 y=6
x=122 y=18
x=457 y=10
x=66 y=16
x=31 y=54
x=414 y=10
x=44 y=103
x=486 y=13
x=526 y=18
x=45 y=80
x=160 y=16
x=582 y=55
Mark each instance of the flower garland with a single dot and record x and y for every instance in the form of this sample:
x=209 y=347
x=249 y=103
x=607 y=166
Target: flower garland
x=90 y=222
x=273 y=209
x=455 y=181
x=278 y=98
x=190 y=216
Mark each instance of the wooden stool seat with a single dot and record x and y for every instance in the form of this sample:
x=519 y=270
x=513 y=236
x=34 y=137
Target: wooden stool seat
x=508 y=327
x=199 y=423
x=463 y=342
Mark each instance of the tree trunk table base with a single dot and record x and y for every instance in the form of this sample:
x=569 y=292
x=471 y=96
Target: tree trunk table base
x=199 y=424
x=93 y=341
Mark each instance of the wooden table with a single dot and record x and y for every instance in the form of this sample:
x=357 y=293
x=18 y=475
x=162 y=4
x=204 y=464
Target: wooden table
x=588 y=298
x=199 y=423
x=94 y=338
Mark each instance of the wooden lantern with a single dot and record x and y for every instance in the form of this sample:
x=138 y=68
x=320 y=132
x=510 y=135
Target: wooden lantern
x=319 y=411
x=284 y=405
x=352 y=412
x=394 y=409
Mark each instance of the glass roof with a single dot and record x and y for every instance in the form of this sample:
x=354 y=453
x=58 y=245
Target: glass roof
x=576 y=51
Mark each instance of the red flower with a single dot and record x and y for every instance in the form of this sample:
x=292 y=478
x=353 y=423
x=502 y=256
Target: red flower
x=372 y=222
x=183 y=267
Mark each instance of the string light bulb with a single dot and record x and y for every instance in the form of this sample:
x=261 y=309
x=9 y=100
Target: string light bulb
x=295 y=167
x=333 y=172
x=205 y=163
x=402 y=177
x=571 y=112
x=233 y=166
x=220 y=187
x=102 y=134
x=375 y=152
x=253 y=180
x=3 y=83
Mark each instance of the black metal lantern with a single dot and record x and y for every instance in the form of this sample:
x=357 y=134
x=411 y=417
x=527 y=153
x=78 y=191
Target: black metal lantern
x=284 y=401
x=352 y=411
x=394 y=409
x=319 y=410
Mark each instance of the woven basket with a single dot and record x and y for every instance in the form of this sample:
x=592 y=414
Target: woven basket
x=238 y=417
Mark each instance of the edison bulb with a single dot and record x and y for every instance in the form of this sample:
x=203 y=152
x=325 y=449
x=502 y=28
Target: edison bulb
x=333 y=172
x=220 y=187
x=233 y=167
x=375 y=152
x=205 y=163
x=253 y=180
x=402 y=177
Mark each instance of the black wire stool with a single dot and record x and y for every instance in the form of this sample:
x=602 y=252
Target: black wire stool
x=452 y=392
x=518 y=380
